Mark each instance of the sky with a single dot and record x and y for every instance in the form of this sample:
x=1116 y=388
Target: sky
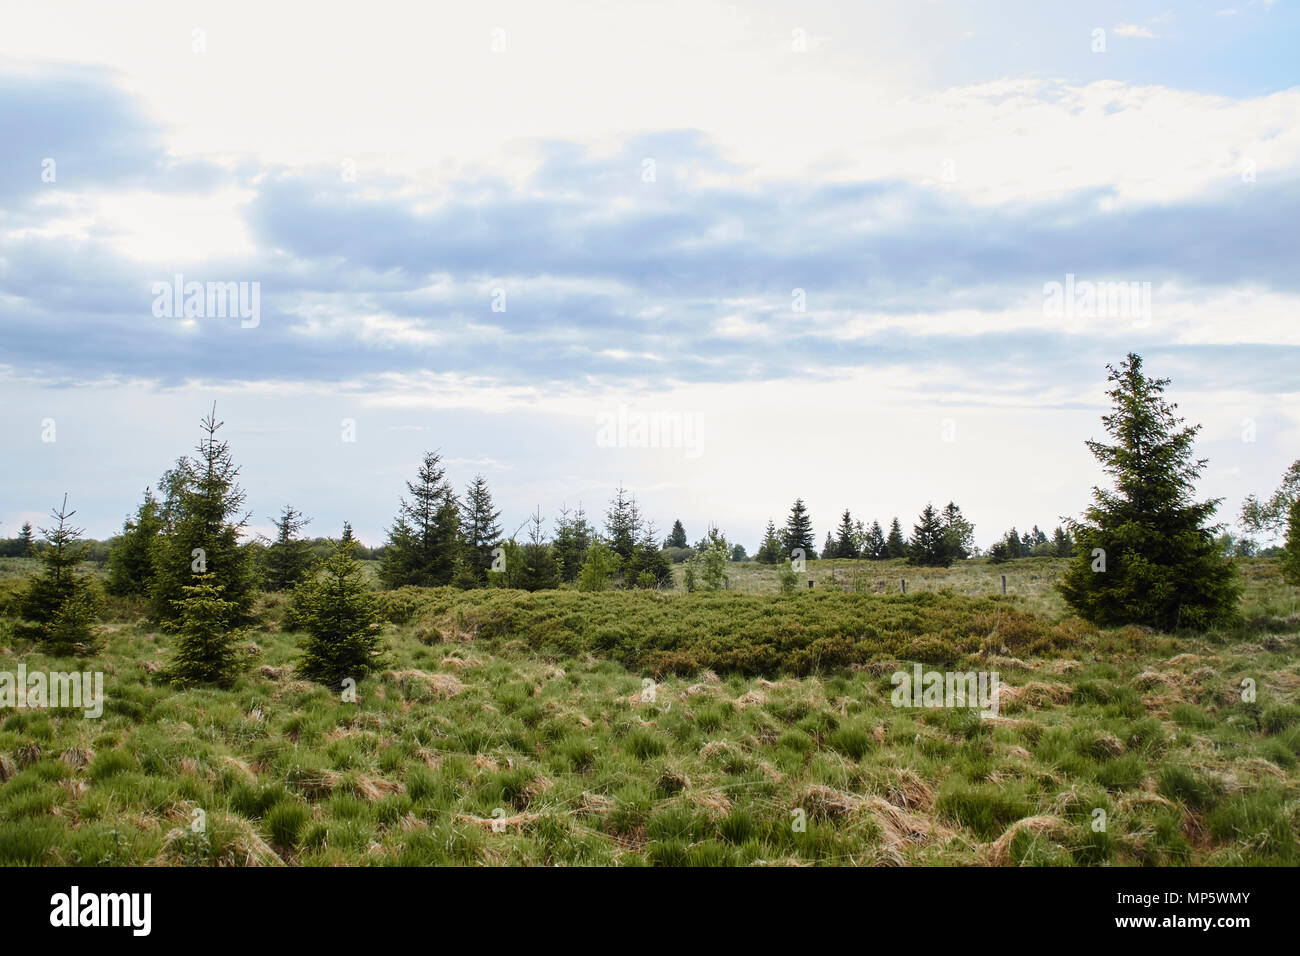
x=724 y=255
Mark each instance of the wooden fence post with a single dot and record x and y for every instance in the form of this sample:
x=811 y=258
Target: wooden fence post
x=1004 y=584
x=903 y=581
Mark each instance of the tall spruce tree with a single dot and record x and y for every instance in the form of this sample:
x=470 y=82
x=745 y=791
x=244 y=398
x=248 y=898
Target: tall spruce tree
x=288 y=558
x=845 y=538
x=895 y=545
x=480 y=533
x=1147 y=553
x=1062 y=544
x=340 y=621
x=348 y=537
x=60 y=605
x=425 y=538
x=202 y=523
x=130 y=565
x=798 y=532
x=929 y=544
x=677 y=537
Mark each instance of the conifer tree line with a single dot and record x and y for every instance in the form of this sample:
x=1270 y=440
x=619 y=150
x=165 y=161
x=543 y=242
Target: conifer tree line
x=938 y=538
x=1032 y=544
x=1145 y=552
x=439 y=538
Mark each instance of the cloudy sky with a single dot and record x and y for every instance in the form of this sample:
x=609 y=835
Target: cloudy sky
x=811 y=240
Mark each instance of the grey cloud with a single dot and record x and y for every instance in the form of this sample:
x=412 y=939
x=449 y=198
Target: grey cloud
x=674 y=248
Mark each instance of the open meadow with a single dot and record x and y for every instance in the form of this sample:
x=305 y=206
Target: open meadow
x=740 y=727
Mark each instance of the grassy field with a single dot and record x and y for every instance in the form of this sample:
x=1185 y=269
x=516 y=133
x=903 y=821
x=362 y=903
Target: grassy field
x=511 y=728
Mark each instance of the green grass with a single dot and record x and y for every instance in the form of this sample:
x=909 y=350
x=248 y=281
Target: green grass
x=516 y=729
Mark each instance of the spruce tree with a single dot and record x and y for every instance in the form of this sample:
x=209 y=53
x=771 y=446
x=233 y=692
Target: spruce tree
x=74 y=629
x=769 y=551
x=348 y=537
x=649 y=567
x=202 y=522
x=288 y=558
x=130 y=562
x=929 y=546
x=27 y=540
x=572 y=538
x=623 y=523
x=845 y=546
x=60 y=605
x=895 y=546
x=208 y=639
x=425 y=538
x=677 y=537
x=1062 y=545
x=830 y=548
x=798 y=532
x=338 y=614
x=959 y=534
x=540 y=569
x=479 y=532
x=874 y=547
x=1010 y=545
x=1147 y=554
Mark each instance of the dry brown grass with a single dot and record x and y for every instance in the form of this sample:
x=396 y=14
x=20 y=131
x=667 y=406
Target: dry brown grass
x=593 y=804
x=413 y=682
x=78 y=757
x=1044 y=826
x=1033 y=695
x=909 y=791
x=901 y=828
